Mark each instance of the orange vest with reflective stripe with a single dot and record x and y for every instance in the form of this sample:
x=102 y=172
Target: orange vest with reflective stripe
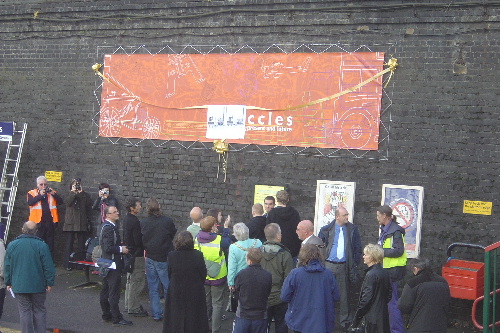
x=36 y=210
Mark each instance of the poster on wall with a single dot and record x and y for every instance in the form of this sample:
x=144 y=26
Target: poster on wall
x=262 y=191
x=331 y=195
x=406 y=203
x=246 y=98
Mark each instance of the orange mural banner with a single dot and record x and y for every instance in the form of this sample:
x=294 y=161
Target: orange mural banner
x=244 y=98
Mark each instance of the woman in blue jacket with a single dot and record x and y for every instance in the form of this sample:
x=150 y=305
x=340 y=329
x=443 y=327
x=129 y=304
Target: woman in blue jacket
x=310 y=290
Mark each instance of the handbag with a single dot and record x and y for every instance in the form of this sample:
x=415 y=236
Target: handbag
x=232 y=305
x=213 y=268
x=104 y=265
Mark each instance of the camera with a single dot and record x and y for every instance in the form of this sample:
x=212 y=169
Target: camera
x=48 y=190
x=78 y=187
x=104 y=192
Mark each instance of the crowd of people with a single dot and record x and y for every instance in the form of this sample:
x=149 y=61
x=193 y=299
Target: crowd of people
x=271 y=269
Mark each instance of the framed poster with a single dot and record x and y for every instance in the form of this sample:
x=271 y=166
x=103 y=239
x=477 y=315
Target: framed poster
x=331 y=195
x=406 y=203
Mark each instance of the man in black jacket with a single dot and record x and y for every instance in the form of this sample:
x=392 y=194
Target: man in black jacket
x=287 y=218
x=136 y=280
x=252 y=287
x=426 y=298
x=257 y=223
x=158 y=232
x=112 y=249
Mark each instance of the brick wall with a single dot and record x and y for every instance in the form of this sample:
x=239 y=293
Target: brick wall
x=442 y=124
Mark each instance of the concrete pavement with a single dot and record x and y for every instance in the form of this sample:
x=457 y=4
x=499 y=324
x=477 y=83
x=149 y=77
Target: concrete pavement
x=77 y=310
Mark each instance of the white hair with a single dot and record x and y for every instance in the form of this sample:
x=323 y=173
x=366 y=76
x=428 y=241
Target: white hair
x=40 y=178
x=240 y=231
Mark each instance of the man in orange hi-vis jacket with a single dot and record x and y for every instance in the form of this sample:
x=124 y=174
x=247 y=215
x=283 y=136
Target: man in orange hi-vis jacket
x=43 y=202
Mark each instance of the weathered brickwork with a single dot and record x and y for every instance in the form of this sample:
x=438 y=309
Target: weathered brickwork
x=442 y=122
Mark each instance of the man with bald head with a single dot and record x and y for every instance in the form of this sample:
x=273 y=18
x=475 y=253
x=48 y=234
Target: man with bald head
x=196 y=215
x=257 y=223
x=305 y=230
x=29 y=273
x=343 y=255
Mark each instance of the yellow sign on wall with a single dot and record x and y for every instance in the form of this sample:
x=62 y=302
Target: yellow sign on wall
x=53 y=176
x=477 y=207
x=262 y=191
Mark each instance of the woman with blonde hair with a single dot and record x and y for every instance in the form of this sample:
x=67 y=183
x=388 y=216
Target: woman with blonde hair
x=372 y=315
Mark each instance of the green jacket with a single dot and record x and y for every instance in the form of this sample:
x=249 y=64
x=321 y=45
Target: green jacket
x=28 y=265
x=278 y=261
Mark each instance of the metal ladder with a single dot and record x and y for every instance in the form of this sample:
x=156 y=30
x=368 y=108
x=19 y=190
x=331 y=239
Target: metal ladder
x=9 y=181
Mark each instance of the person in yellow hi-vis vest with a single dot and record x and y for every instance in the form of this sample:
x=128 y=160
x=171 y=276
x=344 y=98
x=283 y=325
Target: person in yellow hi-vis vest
x=43 y=202
x=212 y=245
x=392 y=241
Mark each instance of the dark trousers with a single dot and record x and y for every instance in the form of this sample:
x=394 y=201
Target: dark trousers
x=110 y=296
x=70 y=238
x=46 y=231
x=32 y=312
x=2 y=299
x=242 y=325
x=340 y=272
x=277 y=312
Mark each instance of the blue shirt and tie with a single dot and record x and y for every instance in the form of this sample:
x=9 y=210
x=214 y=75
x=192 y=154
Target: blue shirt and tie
x=337 y=254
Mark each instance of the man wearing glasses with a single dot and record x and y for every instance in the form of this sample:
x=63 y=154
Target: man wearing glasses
x=343 y=255
x=112 y=249
x=43 y=202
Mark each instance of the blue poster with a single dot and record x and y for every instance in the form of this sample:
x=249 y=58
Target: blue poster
x=406 y=204
x=6 y=131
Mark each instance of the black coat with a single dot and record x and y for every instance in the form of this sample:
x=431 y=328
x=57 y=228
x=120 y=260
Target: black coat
x=132 y=236
x=157 y=236
x=426 y=298
x=256 y=227
x=375 y=293
x=287 y=218
x=110 y=244
x=185 y=306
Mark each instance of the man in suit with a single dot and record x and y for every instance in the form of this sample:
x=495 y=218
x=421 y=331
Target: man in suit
x=111 y=249
x=305 y=231
x=343 y=255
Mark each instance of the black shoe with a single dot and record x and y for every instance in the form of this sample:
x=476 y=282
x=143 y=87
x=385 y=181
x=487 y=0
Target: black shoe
x=69 y=269
x=108 y=319
x=140 y=313
x=123 y=322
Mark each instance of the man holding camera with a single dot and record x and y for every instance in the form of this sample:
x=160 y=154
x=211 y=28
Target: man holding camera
x=77 y=220
x=43 y=203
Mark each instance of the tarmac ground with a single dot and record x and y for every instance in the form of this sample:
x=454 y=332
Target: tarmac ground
x=77 y=310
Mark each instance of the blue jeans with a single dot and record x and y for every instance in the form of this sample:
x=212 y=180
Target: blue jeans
x=242 y=325
x=156 y=271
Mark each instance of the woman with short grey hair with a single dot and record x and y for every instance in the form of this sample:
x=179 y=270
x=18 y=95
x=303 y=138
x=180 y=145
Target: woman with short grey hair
x=240 y=231
x=237 y=252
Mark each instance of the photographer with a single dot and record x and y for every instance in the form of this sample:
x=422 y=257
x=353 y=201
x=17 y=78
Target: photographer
x=104 y=200
x=43 y=202
x=77 y=219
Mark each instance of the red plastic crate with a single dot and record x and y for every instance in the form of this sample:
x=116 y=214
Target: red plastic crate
x=466 y=278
